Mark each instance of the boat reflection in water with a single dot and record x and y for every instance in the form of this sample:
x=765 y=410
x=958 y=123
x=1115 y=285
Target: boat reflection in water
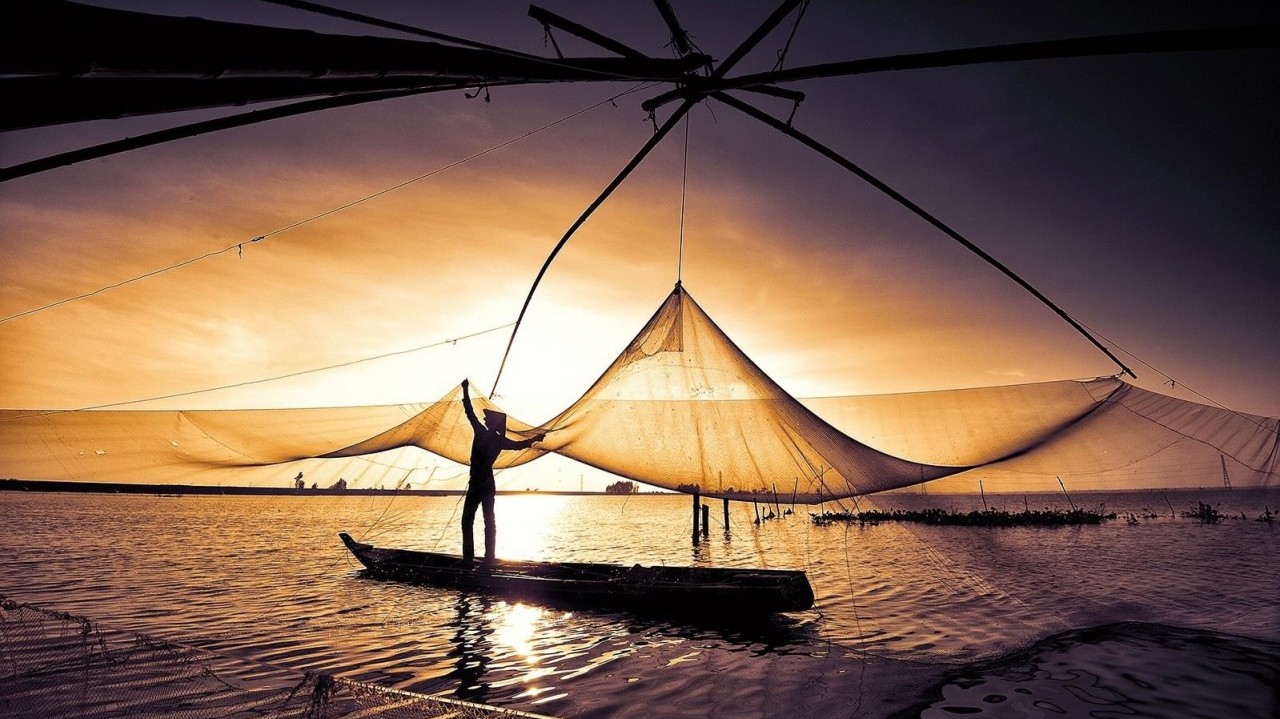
x=472 y=650
x=491 y=634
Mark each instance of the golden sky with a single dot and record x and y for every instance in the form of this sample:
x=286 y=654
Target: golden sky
x=1142 y=205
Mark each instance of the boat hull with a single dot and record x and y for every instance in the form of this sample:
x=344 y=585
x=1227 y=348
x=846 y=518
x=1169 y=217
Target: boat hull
x=661 y=590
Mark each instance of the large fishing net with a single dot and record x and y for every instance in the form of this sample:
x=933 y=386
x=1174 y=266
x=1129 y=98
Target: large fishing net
x=683 y=408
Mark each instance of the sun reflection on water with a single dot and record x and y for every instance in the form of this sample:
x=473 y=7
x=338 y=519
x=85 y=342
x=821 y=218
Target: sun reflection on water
x=527 y=524
x=520 y=633
x=517 y=628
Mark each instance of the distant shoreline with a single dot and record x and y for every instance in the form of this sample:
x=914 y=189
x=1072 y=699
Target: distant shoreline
x=46 y=485
x=42 y=485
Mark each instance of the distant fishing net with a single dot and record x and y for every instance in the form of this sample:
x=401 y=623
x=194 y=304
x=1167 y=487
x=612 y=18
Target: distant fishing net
x=55 y=665
x=683 y=408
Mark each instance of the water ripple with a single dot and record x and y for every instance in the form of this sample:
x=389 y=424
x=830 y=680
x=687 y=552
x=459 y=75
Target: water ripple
x=266 y=578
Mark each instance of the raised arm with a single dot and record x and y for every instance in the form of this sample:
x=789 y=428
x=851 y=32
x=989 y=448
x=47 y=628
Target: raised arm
x=466 y=406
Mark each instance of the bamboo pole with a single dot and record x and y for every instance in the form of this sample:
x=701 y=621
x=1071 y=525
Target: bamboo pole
x=1064 y=491
x=697 y=501
x=919 y=212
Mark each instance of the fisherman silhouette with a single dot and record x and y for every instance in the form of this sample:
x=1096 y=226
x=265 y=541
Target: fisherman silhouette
x=490 y=439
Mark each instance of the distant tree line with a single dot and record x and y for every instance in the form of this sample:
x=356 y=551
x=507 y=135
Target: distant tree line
x=623 y=487
x=299 y=484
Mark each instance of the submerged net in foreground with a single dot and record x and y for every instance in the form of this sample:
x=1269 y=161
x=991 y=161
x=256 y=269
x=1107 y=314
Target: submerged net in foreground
x=682 y=408
x=56 y=665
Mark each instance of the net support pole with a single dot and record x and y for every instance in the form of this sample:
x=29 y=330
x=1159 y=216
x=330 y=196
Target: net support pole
x=1265 y=35
x=918 y=211
x=180 y=132
x=697 y=501
x=716 y=75
x=706 y=520
x=617 y=180
x=726 y=516
x=1073 y=504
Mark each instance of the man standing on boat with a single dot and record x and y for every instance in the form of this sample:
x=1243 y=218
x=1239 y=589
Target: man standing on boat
x=490 y=439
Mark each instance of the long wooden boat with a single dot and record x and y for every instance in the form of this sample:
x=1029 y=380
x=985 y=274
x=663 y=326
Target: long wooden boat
x=710 y=591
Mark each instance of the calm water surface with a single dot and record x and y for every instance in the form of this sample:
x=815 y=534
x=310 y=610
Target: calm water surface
x=902 y=609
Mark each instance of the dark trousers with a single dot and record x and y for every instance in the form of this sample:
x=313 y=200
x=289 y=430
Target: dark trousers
x=478 y=497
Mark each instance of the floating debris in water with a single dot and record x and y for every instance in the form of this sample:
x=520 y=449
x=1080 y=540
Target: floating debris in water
x=986 y=518
x=1204 y=514
x=990 y=517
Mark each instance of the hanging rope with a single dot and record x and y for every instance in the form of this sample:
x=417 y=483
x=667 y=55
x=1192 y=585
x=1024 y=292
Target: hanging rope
x=684 y=185
x=289 y=375
x=1174 y=385
x=595 y=204
x=548 y=38
x=239 y=245
x=782 y=54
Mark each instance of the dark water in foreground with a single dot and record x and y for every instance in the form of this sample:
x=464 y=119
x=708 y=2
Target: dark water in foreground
x=1164 y=618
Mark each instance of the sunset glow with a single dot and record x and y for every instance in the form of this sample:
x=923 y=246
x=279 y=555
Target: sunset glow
x=677 y=358
x=827 y=285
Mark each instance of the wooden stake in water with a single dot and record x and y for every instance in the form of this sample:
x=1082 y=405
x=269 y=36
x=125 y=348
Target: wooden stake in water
x=1064 y=491
x=984 y=496
x=697 y=501
x=726 y=516
x=706 y=520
